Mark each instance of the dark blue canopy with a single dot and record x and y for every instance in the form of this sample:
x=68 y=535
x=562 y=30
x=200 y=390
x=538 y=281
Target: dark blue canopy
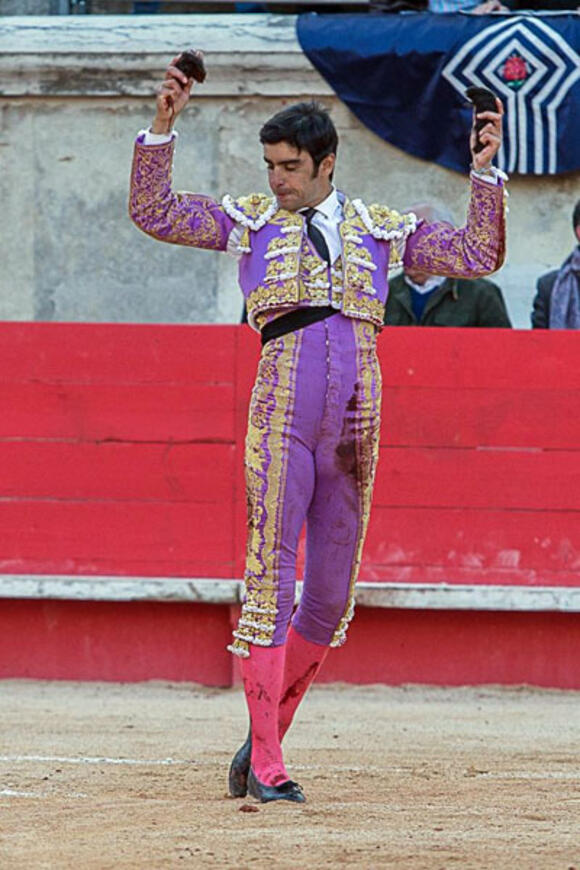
x=404 y=77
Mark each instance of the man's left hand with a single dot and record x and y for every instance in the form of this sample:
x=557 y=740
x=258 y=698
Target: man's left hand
x=490 y=136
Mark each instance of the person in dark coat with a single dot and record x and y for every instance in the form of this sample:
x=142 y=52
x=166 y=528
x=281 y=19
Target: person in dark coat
x=557 y=301
x=418 y=298
x=452 y=302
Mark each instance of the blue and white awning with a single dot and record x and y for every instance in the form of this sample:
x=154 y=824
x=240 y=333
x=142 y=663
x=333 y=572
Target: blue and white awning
x=405 y=77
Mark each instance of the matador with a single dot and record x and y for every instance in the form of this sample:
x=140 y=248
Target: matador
x=313 y=269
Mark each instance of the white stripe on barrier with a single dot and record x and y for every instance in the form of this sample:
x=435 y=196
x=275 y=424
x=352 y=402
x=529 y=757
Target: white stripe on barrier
x=414 y=596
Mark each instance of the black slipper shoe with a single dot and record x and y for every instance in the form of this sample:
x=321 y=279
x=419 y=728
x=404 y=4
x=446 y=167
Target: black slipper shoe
x=286 y=791
x=240 y=768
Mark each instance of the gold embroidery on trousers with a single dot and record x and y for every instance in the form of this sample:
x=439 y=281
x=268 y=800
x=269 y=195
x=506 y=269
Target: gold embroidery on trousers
x=266 y=463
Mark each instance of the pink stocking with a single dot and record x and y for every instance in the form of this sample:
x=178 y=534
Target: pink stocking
x=303 y=661
x=262 y=673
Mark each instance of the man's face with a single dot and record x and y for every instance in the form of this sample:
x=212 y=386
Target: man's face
x=416 y=275
x=292 y=179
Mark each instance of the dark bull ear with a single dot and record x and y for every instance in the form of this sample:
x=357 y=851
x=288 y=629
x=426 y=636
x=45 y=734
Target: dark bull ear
x=483 y=101
x=191 y=63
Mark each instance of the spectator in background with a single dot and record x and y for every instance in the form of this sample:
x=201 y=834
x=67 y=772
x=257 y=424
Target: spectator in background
x=473 y=6
x=557 y=301
x=420 y=299
x=146 y=8
x=543 y=5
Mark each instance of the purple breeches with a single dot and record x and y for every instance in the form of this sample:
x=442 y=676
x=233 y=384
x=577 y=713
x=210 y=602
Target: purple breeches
x=311 y=454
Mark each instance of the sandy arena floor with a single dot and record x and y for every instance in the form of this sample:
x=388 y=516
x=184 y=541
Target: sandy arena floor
x=134 y=776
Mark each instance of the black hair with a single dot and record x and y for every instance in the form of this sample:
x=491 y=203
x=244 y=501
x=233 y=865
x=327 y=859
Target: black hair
x=305 y=126
x=576 y=215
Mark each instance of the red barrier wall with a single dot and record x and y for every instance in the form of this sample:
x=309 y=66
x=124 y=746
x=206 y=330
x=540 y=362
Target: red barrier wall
x=121 y=453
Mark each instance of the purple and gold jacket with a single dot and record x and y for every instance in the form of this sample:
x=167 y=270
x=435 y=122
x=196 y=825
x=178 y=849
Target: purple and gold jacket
x=280 y=269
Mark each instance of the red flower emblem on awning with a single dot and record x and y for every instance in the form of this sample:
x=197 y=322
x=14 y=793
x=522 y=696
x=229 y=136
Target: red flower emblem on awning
x=515 y=70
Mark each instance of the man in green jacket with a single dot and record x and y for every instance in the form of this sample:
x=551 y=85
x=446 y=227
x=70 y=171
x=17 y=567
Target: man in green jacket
x=420 y=299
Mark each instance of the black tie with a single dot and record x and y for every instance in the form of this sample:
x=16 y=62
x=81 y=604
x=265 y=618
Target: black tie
x=315 y=235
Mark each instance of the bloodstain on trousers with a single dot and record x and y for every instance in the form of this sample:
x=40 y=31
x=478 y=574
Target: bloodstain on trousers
x=311 y=455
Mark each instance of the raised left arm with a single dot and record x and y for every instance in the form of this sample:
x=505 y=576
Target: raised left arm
x=478 y=248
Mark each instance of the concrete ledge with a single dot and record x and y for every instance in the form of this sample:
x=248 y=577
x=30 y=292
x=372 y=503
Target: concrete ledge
x=113 y=56
x=77 y=588
x=417 y=596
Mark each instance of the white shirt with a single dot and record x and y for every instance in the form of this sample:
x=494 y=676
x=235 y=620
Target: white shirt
x=328 y=216
x=430 y=284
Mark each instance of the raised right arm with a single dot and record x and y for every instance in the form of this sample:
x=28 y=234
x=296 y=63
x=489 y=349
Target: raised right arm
x=179 y=218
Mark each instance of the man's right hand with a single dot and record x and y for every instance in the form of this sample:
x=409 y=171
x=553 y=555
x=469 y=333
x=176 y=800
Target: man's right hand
x=172 y=96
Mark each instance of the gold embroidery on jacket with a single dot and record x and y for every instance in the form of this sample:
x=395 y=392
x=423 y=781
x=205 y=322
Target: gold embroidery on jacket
x=365 y=309
x=252 y=212
x=178 y=218
x=301 y=277
x=359 y=294
x=314 y=275
x=472 y=251
x=283 y=267
x=337 y=283
x=266 y=298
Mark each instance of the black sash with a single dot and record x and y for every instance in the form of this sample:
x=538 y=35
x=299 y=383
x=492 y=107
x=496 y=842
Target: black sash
x=297 y=319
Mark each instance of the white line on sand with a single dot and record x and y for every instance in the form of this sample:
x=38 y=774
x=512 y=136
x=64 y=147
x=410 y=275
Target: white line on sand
x=95 y=760
x=337 y=768
x=9 y=792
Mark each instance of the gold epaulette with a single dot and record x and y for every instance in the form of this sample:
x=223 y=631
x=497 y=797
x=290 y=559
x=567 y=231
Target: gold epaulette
x=385 y=223
x=252 y=211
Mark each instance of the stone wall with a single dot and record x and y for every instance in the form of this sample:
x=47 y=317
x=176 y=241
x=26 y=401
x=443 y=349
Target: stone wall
x=75 y=90
x=26 y=7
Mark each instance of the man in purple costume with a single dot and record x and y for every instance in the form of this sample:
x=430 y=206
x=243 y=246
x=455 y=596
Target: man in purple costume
x=313 y=268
